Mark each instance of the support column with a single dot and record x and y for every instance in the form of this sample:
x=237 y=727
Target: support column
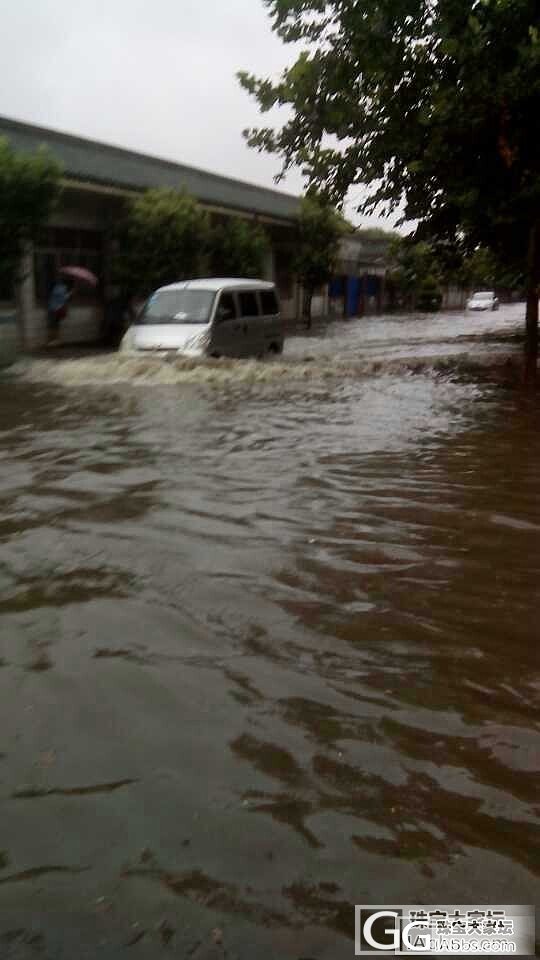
x=299 y=300
x=269 y=266
x=326 y=302
x=25 y=298
x=364 y=294
x=382 y=294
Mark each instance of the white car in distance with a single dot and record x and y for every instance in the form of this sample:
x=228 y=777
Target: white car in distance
x=483 y=300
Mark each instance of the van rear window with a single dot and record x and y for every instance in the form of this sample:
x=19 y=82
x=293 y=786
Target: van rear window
x=269 y=302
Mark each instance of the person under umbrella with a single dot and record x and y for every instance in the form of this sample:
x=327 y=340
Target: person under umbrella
x=61 y=294
x=57 y=309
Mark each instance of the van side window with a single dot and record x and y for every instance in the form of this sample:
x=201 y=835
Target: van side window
x=248 y=304
x=269 y=302
x=226 y=308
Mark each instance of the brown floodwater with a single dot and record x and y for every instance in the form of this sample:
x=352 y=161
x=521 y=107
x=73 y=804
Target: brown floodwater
x=268 y=645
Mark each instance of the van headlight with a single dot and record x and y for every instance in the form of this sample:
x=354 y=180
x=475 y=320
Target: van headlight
x=196 y=345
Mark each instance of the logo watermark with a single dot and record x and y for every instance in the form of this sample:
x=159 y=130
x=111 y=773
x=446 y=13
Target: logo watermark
x=446 y=929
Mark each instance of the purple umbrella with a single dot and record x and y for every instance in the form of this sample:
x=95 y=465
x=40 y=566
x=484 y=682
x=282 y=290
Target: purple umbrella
x=81 y=273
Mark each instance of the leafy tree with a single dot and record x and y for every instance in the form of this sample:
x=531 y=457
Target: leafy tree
x=416 y=276
x=320 y=228
x=29 y=188
x=239 y=249
x=435 y=104
x=480 y=269
x=165 y=237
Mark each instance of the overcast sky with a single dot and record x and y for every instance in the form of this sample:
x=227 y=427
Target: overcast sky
x=152 y=75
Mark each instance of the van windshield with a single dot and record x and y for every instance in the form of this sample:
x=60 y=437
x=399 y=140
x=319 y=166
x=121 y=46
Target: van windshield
x=178 y=306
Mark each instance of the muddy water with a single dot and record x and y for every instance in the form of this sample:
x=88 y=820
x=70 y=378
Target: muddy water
x=268 y=648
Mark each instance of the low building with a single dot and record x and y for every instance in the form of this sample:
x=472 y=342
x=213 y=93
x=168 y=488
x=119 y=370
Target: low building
x=97 y=180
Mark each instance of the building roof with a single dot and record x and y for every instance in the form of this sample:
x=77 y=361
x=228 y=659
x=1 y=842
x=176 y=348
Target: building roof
x=101 y=163
x=362 y=252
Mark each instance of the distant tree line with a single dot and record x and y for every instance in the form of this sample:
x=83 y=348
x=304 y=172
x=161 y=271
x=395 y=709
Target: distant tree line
x=419 y=271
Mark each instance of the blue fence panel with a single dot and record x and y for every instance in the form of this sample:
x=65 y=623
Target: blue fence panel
x=373 y=285
x=335 y=287
x=353 y=290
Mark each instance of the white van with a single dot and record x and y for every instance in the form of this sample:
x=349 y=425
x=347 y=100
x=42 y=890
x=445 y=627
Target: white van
x=213 y=318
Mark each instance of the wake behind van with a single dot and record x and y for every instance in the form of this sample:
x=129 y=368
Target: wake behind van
x=214 y=318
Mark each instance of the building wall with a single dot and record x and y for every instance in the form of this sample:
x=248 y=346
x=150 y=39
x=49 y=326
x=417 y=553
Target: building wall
x=289 y=308
x=83 y=325
x=319 y=304
x=357 y=294
x=454 y=298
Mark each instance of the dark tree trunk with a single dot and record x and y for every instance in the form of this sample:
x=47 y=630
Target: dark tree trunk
x=308 y=298
x=531 y=320
x=531 y=339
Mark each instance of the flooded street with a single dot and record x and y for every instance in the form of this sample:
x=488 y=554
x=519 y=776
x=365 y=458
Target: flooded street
x=268 y=645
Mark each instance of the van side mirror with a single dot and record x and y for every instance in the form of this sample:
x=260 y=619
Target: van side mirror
x=224 y=314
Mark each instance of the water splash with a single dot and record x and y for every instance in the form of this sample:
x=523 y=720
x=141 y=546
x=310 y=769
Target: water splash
x=118 y=369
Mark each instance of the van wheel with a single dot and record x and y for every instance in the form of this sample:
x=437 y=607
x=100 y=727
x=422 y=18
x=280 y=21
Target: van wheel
x=274 y=349
x=215 y=355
